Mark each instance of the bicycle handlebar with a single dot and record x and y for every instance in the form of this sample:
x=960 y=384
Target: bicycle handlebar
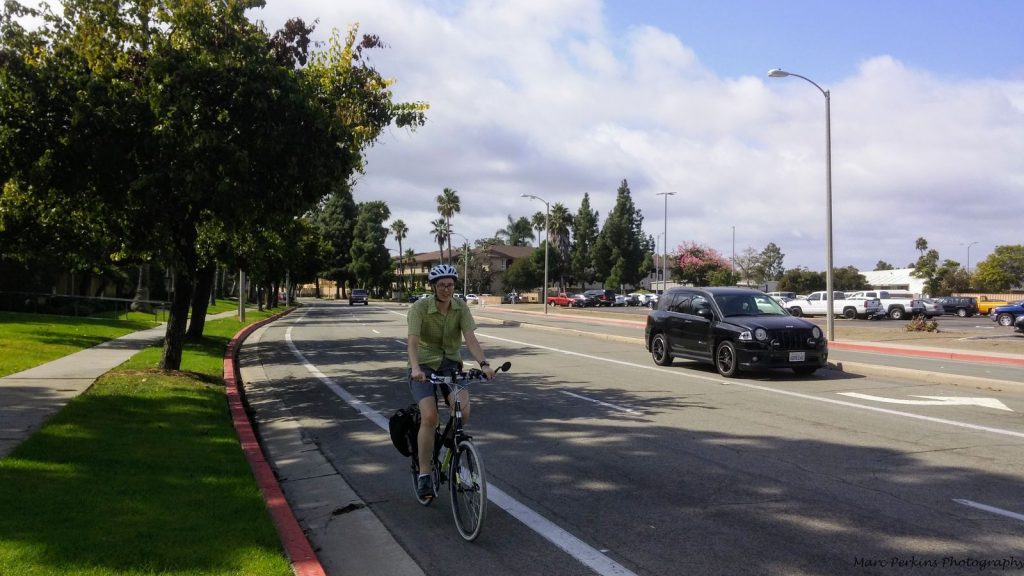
x=458 y=376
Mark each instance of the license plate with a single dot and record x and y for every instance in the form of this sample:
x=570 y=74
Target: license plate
x=797 y=356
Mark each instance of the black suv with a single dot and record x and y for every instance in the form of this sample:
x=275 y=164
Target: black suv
x=734 y=329
x=602 y=297
x=358 y=296
x=962 y=306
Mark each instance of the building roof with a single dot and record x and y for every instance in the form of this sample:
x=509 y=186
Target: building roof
x=896 y=279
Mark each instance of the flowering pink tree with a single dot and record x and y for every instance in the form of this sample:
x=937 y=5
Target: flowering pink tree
x=697 y=264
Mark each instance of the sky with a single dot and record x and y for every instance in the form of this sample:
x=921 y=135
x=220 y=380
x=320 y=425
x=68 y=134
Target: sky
x=558 y=98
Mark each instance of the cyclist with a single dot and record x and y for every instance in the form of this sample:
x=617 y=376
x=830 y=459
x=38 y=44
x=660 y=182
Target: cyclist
x=437 y=327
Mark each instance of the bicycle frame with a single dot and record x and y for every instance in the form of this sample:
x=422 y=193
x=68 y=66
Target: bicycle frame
x=462 y=468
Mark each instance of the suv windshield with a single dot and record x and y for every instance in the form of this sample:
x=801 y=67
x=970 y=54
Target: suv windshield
x=748 y=305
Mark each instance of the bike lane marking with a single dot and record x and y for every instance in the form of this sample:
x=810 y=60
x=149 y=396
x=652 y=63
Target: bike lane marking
x=911 y=415
x=562 y=539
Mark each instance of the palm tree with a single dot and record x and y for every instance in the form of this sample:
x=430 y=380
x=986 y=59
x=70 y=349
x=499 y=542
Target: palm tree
x=448 y=205
x=537 y=221
x=559 y=224
x=517 y=232
x=440 y=233
x=400 y=230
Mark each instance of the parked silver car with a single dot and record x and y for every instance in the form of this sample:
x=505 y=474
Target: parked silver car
x=932 y=308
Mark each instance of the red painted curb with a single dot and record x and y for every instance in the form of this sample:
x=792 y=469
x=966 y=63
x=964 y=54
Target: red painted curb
x=942 y=354
x=297 y=547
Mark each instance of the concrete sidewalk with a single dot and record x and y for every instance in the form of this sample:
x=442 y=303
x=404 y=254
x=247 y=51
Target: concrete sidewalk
x=30 y=397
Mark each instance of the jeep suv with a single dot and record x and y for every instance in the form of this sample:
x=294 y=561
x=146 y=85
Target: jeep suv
x=962 y=306
x=602 y=297
x=358 y=296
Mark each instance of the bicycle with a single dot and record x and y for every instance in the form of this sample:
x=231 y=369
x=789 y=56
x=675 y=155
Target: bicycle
x=460 y=465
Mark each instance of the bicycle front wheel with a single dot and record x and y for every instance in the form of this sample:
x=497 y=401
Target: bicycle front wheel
x=468 y=490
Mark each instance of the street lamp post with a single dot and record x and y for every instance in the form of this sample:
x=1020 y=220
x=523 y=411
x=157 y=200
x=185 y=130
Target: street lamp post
x=465 y=257
x=547 y=236
x=829 y=320
x=664 y=259
x=969 y=256
x=657 y=258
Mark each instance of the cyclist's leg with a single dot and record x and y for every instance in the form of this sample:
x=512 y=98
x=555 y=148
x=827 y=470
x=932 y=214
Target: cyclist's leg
x=423 y=395
x=447 y=364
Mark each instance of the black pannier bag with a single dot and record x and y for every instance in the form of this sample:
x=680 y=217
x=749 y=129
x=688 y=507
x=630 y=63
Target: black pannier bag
x=404 y=426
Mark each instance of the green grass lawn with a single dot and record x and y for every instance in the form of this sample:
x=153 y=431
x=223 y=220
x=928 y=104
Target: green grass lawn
x=28 y=340
x=141 y=475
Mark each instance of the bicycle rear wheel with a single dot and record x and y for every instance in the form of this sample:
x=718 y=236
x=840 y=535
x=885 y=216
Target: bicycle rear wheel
x=468 y=490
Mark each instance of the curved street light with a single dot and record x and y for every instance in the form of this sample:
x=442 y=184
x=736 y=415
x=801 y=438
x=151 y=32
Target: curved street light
x=829 y=320
x=547 y=233
x=969 y=255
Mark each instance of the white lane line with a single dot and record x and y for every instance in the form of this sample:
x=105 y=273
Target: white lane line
x=612 y=406
x=991 y=509
x=578 y=549
x=943 y=421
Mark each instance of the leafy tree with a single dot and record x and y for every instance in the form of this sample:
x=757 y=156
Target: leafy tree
x=802 y=281
x=448 y=205
x=523 y=274
x=926 y=267
x=370 y=261
x=1002 y=270
x=748 y=265
x=771 y=259
x=618 y=255
x=848 y=279
x=695 y=263
x=152 y=122
x=400 y=231
x=517 y=232
x=336 y=222
x=883 y=265
x=949 y=278
x=584 y=234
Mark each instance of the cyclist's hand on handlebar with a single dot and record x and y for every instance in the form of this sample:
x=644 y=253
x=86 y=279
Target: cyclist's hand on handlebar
x=488 y=372
x=418 y=374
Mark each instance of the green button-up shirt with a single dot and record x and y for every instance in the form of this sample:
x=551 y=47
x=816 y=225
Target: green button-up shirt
x=440 y=334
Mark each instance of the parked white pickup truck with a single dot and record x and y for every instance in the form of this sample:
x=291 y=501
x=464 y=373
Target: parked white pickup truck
x=816 y=304
x=897 y=305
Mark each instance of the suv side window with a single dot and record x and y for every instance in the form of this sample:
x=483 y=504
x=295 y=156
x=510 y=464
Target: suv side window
x=699 y=302
x=680 y=303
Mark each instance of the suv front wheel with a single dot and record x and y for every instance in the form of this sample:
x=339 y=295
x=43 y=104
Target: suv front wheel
x=725 y=359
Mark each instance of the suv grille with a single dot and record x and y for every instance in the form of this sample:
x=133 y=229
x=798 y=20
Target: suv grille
x=789 y=339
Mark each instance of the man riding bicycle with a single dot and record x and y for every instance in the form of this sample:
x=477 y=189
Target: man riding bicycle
x=437 y=327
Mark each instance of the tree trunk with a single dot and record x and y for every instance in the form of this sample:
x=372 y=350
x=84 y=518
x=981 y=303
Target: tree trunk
x=200 y=302
x=317 y=284
x=174 y=337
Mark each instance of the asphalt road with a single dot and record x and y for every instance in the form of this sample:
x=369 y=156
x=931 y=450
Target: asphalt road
x=601 y=462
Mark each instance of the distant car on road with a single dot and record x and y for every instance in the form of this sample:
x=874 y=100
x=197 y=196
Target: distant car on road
x=1018 y=326
x=358 y=296
x=472 y=298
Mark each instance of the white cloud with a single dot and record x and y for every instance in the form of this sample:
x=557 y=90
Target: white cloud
x=540 y=97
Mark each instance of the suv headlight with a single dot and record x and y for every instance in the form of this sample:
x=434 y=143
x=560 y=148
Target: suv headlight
x=816 y=332
x=761 y=334
x=745 y=336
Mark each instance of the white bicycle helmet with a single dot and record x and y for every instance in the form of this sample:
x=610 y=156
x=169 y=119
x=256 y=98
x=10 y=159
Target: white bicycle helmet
x=442 y=271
